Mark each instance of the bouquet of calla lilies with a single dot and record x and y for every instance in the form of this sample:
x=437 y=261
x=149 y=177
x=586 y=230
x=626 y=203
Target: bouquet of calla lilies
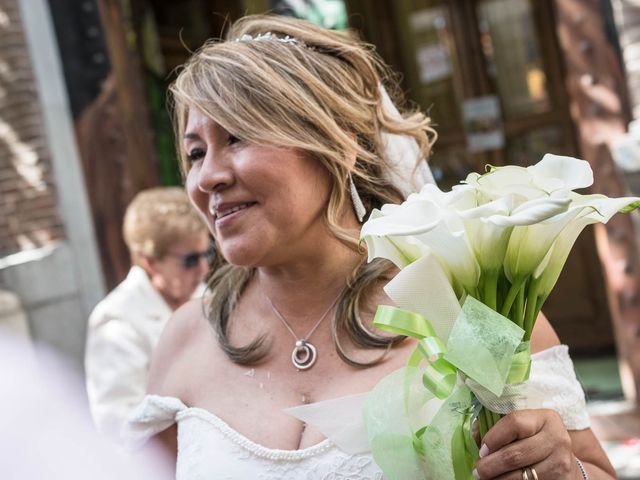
x=477 y=264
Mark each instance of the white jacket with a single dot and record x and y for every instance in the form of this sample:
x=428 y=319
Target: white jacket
x=123 y=331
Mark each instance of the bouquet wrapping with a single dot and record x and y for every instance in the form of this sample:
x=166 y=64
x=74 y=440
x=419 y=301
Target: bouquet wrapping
x=476 y=266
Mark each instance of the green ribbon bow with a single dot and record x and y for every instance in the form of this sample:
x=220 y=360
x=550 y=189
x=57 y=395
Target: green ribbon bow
x=484 y=346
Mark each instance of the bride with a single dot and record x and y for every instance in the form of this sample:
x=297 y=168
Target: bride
x=287 y=139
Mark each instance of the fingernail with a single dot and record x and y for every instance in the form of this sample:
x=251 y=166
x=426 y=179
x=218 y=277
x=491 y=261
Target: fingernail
x=484 y=451
x=475 y=474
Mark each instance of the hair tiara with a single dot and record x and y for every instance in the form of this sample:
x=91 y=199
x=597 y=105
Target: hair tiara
x=270 y=37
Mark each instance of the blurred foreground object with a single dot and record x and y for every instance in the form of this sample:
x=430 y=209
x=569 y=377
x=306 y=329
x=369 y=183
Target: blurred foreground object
x=13 y=319
x=47 y=430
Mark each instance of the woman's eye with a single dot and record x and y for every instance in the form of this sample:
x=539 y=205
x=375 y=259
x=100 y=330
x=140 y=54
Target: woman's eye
x=232 y=139
x=195 y=154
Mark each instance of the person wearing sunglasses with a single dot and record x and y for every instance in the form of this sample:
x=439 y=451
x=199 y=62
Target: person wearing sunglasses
x=170 y=251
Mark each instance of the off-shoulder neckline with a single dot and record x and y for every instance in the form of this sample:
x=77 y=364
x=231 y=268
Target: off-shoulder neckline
x=184 y=411
x=250 y=445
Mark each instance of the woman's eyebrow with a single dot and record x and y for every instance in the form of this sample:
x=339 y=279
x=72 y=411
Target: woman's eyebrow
x=191 y=136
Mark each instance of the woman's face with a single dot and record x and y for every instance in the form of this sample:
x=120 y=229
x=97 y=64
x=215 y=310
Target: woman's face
x=264 y=205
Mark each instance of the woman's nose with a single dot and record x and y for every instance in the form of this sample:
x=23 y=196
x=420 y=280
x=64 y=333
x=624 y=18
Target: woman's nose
x=215 y=174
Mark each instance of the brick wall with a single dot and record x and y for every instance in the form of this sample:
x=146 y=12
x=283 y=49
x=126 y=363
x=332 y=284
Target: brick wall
x=28 y=211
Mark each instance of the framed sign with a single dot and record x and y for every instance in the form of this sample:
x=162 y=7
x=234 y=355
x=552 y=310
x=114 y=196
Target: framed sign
x=483 y=123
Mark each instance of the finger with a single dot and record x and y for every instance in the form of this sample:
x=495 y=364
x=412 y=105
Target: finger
x=536 y=470
x=517 y=475
x=546 y=469
x=554 y=466
x=515 y=456
x=533 y=472
x=515 y=426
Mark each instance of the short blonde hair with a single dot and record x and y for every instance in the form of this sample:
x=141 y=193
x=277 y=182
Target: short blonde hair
x=158 y=218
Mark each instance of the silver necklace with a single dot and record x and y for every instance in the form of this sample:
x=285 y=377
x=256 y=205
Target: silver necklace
x=304 y=354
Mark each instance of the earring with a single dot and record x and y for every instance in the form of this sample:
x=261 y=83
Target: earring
x=358 y=206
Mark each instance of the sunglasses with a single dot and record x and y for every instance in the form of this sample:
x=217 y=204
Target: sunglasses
x=191 y=260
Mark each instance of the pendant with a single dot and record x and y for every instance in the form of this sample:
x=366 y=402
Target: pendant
x=304 y=355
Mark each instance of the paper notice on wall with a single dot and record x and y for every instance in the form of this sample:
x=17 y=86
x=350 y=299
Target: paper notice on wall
x=433 y=63
x=483 y=123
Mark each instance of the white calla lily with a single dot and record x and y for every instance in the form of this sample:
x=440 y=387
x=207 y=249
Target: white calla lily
x=552 y=173
x=594 y=209
x=405 y=219
x=460 y=197
x=402 y=250
x=584 y=210
x=503 y=236
x=556 y=172
x=450 y=244
x=529 y=244
x=489 y=226
x=422 y=225
x=501 y=181
x=532 y=212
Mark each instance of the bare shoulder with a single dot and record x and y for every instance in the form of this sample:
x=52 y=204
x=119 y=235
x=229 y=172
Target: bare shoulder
x=179 y=333
x=544 y=336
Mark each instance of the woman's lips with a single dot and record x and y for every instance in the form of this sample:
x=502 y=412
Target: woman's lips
x=221 y=213
x=225 y=214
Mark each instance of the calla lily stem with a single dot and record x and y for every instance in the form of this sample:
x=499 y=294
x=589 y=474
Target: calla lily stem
x=482 y=423
x=490 y=289
x=531 y=310
x=518 y=313
x=511 y=296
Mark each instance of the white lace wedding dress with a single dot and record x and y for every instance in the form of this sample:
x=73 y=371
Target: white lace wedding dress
x=208 y=449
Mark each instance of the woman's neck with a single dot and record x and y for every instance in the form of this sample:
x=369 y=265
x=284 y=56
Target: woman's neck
x=308 y=284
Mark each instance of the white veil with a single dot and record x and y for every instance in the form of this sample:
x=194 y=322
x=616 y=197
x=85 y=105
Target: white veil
x=402 y=153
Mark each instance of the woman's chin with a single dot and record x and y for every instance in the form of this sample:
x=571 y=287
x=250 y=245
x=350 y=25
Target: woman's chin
x=242 y=256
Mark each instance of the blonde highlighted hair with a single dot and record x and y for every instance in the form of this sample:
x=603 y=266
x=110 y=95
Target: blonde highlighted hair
x=319 y=94
x=157 y=219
